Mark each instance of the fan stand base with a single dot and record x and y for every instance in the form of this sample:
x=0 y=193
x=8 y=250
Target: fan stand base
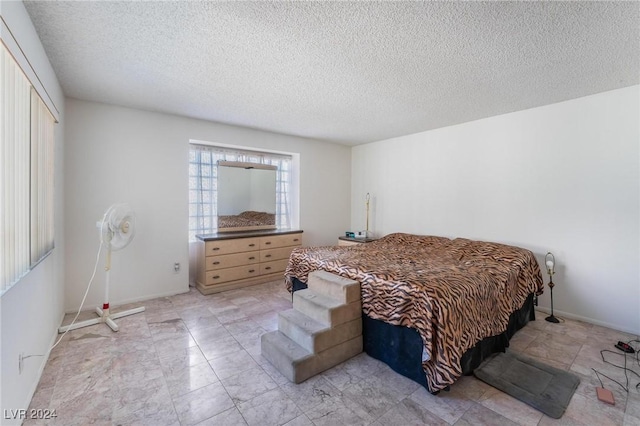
x=104 y=317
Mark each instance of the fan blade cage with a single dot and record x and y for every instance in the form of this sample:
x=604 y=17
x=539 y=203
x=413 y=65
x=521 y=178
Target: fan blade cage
x=119 y=224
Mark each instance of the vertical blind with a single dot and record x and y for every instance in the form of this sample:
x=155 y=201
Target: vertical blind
x=14 y=226
x=42 y=133
x=26 y=170
x=203 y=185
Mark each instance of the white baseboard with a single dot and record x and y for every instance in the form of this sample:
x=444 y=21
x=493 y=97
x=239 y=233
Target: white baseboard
x=91 y=307
x=43 y=364
x=568 y=315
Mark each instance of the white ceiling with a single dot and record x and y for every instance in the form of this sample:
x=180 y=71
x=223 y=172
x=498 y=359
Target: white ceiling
x=347 y=72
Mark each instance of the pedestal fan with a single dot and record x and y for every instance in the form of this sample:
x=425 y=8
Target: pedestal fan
x=117 y=229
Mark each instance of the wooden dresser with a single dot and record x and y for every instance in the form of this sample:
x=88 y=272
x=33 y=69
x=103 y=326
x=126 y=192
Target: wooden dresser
x=239 y=259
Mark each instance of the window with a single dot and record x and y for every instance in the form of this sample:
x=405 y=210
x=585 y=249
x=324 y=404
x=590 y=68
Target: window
x=203 y=172
x=26 y=172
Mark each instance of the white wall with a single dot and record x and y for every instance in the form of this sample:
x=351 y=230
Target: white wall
x=562 y=178
x=140 y=157
x=31 y=311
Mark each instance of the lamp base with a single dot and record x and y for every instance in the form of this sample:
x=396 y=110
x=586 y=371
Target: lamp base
x=552 y=319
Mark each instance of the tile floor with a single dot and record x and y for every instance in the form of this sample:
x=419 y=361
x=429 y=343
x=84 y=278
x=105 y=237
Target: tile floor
x=194 y=359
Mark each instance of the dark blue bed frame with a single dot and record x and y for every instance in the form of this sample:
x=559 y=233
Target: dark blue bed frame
x=401 y=347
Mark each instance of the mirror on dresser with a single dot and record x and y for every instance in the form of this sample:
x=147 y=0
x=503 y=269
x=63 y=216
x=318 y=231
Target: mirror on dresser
x=246 y=196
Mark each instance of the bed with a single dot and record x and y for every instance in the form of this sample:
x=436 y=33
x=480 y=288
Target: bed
x=433 y=307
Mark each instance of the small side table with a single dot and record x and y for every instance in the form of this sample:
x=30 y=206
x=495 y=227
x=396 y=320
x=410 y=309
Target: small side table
x=350 y=241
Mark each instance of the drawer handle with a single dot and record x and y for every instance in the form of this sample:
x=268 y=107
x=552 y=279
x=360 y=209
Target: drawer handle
x=252 y=258
x=267 y=243
x=268 y=255
x=252 y=245
x=267 y=268
x=215 y=277
x=251 y=271
x=215 y=248
x=215 y=263
x=295 y=240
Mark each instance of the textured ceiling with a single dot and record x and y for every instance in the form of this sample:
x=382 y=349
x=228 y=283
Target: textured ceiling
x=347 y=72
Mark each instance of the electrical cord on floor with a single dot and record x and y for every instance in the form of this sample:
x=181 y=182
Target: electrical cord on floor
x=598 y=376
x=84 y=298
x=637 y=356
x=622 y=367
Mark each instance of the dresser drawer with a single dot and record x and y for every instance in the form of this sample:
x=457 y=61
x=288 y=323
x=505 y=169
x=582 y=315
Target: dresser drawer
x=231 y=260
x=214 y=248
x=275 y=266
x=276 y=254
x=280 y=241
x=231 y=274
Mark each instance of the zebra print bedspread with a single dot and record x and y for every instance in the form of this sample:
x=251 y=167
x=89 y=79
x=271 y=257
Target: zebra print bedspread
x=247 y=218
x=453 y=292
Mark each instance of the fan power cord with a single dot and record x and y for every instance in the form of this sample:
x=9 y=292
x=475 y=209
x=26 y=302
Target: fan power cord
x=84 y=298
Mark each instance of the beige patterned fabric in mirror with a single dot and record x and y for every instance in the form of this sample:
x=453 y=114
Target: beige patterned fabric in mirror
x=453 y=292
x=247 y=218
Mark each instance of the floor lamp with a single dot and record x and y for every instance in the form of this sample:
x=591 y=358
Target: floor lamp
x=550 y=262
x=366 y=232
